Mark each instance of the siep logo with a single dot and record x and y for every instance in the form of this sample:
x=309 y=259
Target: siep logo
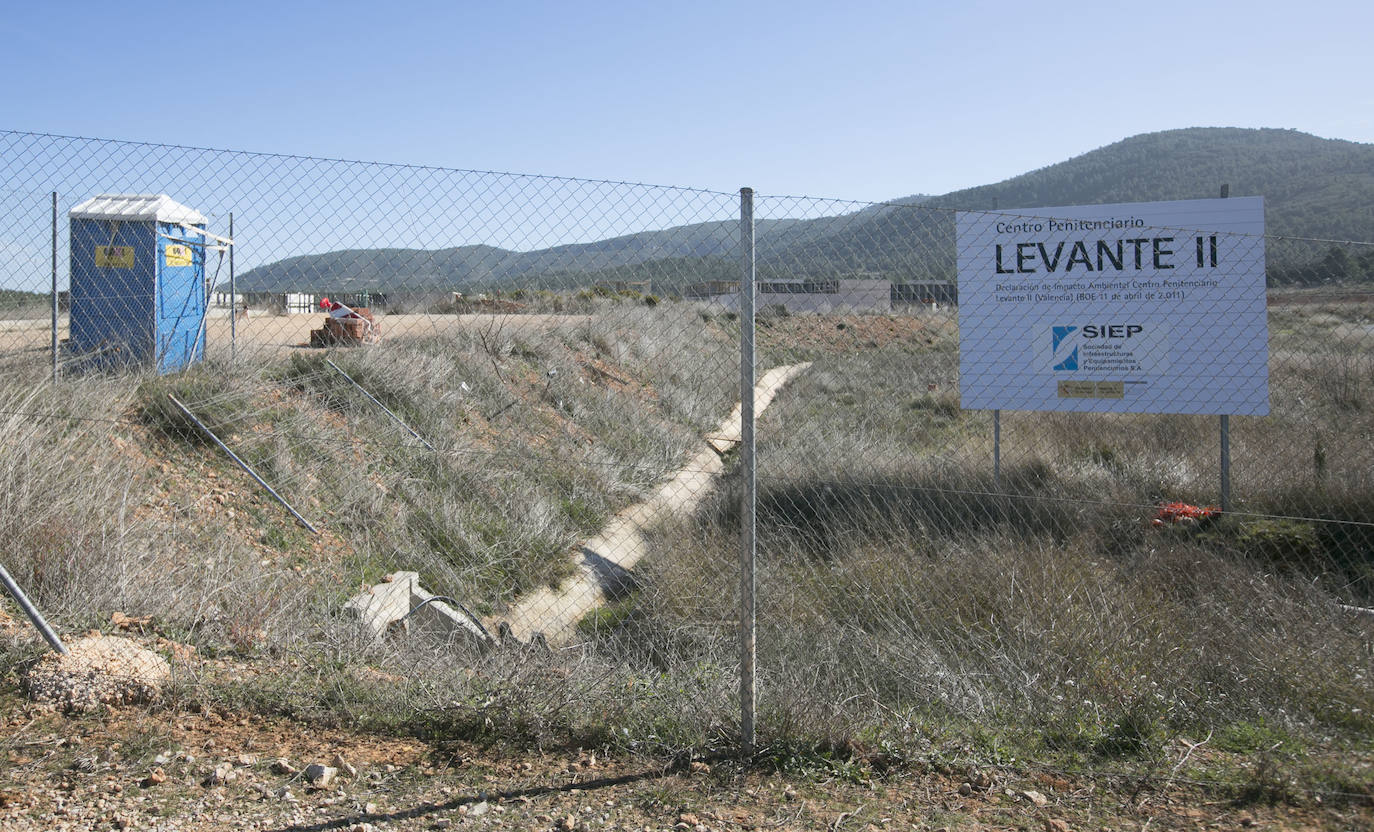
x=1064 y=348
x=1112 y=330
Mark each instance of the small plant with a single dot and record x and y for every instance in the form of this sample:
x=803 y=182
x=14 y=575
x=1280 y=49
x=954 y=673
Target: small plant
x=1277 y=540
x=1130 y=734
x=1248 y=737
x=937 y=405
x=201 y=386
x=603 y=623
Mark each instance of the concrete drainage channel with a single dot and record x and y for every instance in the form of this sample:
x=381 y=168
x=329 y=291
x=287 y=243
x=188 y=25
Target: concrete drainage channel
x=604 y=564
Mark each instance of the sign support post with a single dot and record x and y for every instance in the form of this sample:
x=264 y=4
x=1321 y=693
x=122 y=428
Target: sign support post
x=997 y=449
x=1225 y=464
x=1226 y=428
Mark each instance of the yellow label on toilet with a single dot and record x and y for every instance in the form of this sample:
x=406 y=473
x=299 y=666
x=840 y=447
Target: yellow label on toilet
x=178 y=255
x=114 y=257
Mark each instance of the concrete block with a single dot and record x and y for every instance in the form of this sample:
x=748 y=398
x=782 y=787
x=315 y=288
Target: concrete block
x=436 y=619
x=385 y=603
x=400 y=602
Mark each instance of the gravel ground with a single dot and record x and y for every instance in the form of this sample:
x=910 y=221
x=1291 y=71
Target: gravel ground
x=98 y=670
x=193 y=767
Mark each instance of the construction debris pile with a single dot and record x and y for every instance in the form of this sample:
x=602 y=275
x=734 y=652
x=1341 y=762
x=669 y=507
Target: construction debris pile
x=345 y=326
x=98 y=670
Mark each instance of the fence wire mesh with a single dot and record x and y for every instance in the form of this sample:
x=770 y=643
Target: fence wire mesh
x=1074 y=583
x=515 y=426
x=509 y=387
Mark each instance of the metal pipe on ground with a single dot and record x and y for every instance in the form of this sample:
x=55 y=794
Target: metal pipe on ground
x=245 y=466
x=376 y=401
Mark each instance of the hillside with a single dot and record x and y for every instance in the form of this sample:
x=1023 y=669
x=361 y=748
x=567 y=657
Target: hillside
x=888 y=558
x=1313 y=187
x=685 y=250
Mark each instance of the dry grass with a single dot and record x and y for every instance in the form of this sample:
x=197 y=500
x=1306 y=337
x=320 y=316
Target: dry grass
x=905 y=597
x=902 y=589
x=540 y=436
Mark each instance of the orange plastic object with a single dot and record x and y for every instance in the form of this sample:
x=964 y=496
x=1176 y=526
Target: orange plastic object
x=1184 y=514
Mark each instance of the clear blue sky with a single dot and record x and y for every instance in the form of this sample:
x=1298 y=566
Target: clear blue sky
x=860 y=100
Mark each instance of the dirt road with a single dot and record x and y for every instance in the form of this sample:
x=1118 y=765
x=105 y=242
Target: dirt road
x=267 y=334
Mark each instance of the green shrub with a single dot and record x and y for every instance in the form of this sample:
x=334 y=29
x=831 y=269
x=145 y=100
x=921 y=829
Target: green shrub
x=1291 y=542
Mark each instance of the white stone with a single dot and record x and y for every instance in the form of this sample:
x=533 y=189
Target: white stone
x=320 y=776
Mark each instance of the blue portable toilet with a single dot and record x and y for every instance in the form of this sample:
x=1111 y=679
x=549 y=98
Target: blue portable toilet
x=137 y=282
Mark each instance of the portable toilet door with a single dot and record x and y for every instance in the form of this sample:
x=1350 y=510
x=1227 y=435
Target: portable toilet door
x=137 y=282
x=181 y=298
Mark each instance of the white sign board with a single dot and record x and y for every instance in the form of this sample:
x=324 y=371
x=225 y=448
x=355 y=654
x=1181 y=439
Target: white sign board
x=1154 y=307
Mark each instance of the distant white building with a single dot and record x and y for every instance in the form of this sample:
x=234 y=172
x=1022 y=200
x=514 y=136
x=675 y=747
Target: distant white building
x=301 y=303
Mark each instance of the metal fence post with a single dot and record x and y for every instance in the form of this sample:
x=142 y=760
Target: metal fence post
x=54 y=286
x=1225 y=437
x=748 y=644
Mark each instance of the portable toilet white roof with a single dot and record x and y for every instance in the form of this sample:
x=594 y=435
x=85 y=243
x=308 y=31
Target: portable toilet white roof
x=137 y=208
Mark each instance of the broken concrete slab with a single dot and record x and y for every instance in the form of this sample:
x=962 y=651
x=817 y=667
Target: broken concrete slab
x=399 y=603
x=380 y=605
x=431 y=616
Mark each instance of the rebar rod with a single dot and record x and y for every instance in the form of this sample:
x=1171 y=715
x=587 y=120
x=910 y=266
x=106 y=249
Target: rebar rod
x=385 y=409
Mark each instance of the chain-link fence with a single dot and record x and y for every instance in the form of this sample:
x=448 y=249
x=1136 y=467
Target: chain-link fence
x=1064 y=570
x=465 y=452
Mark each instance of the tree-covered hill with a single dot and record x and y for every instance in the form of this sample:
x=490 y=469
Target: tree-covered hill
x=1313 y=187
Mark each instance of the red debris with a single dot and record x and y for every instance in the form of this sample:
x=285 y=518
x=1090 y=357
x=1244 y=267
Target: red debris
x=1184 y=514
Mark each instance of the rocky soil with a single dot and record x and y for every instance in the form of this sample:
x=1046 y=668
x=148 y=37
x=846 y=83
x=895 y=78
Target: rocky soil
x=163 y=768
